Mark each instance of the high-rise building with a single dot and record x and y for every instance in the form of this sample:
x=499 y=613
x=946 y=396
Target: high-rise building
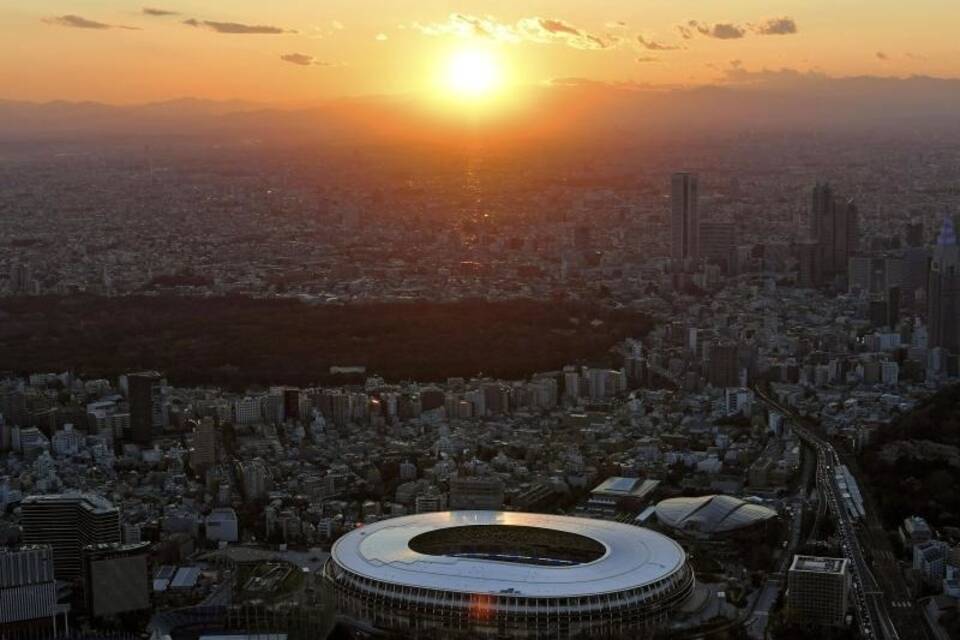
x=835 y=227
x=28 y=591
x=809 y=269
x=818 y=589
x=115 y=578
x=144 y=393
x=68 y=523
x=684 y=218
x=203 y=455
x=943 y=295
x=718 y=243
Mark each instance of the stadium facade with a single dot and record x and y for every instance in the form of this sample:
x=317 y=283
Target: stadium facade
x=506 y=575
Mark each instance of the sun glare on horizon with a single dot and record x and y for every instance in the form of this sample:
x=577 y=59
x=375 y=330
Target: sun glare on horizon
x=473 y=74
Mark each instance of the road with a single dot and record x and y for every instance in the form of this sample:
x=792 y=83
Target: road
x=869 y=600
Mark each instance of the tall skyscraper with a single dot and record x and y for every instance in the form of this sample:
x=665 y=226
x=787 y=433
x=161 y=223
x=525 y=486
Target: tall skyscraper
x=818 y=590
x=143 y=391
x=203 y=455
x=685 y=218
x=68 y=523
x=836 y=228
x=943 y=295
x=718 y=243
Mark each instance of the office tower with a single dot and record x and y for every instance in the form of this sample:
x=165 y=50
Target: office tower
x=684 y=218
x=28 y=591
x=943 y=295
x=916 y=275
x=115 y=578
x=808 y=264
x=836 y=228
x=144 y=394
x=477 y=492
x=817 y=590
x=718 y=243
x=884 y=309
x=68 y=523
x=203 y=455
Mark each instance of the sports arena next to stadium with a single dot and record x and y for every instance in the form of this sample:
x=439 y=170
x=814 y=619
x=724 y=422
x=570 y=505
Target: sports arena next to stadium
x=506 y=575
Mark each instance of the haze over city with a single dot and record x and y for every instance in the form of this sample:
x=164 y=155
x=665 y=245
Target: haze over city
x=504 y=320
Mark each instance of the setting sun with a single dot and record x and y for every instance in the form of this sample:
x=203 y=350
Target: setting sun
x=473 y=73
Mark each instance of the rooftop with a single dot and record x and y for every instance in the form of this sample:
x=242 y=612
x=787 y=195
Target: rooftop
x=711 y=514
x=817 y=564
x=631 y=557
x=88 y=501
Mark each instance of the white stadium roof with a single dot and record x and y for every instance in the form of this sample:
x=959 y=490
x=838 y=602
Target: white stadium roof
x=711 y=514
x=633 y=556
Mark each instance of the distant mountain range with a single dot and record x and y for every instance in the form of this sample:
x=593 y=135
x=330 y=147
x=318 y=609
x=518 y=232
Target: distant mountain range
x=761 y=101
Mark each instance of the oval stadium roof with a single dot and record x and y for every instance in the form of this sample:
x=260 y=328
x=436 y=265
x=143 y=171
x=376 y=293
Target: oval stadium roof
x=711 y=514
x=633 y=556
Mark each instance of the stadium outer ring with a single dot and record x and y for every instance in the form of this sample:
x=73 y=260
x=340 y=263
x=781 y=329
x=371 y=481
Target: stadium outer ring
x=383 y=585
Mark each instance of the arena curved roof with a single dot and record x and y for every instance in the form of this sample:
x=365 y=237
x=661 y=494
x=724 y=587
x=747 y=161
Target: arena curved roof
x=711 y=514
x=633 y=557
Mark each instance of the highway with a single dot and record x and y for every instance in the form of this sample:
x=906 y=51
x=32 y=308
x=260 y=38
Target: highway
x=869 y=601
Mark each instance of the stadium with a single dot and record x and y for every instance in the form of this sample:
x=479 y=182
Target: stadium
x=506 y=575
x=713 y=516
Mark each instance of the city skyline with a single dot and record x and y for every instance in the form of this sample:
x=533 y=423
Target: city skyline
x=501 y=320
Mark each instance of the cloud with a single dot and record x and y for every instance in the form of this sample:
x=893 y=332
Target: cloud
x=304 y=60
x=337 y=25
x=776 y=27
x=466 y=26
x=882 y=56
x=548 y=30
x=78 y=22
x=648 y=59
x=380 y=37
x=536 y=29
x=236 y=27
x=720 y=31
x=731 y=31
x=153 y=11
x=653 y=45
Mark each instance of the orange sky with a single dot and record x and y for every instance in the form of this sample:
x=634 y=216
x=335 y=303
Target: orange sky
x=294 y=53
